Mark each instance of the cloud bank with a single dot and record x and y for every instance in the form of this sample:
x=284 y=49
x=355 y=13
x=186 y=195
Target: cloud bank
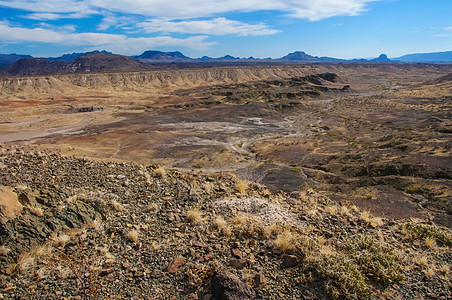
x=156 y=21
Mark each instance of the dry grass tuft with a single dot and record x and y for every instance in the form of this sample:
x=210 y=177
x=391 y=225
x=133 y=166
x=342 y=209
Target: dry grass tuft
x=430 y=242
x=152 y=207
x=241 y=186
x=285 y=241
x=194 y=216
x=160 y=171
x=115 y=205
x=345 y=210
x=208 y=187
x=132 y=235
x=219 y=223
x=27 y=261
x=96 y=225
x=331 y=210
x=60 y=240
x=444 y=269
x=4 y=250
x=429 y=273
x=423 y=261
x=376 y=222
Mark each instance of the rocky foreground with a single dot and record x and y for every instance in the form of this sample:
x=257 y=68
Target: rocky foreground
x=74 y=228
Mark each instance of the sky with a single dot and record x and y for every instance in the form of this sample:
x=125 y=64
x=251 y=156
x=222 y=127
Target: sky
x=242 y=28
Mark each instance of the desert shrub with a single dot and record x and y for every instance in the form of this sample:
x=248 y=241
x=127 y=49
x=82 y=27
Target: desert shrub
x=422 y=231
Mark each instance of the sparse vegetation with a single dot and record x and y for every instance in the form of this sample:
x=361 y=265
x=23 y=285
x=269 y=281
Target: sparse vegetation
x=115 y=205
x=160 y=171
x=97 y=228
x=132 y=235
x=241 y=186
x=194 y=216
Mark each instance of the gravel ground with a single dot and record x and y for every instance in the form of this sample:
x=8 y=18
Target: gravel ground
x=106 y=230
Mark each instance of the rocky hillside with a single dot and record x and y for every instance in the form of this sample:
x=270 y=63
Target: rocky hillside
x=82 y=229
x=104 y=62
x=32 y=67
x=183 y=78
x=146 y=79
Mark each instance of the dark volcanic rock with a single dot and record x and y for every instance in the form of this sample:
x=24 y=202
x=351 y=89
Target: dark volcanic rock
x=104 y=62
x=32 y=66
x=227 y=286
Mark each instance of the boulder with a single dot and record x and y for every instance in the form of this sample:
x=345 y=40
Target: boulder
x=227 y=286
x=10 y=206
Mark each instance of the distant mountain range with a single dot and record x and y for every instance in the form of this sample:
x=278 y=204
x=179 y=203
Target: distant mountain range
x=102 y=61
x=434 y=57
x=6 y=59
x=93 y=62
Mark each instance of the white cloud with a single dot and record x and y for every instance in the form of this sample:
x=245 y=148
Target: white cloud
x=111 y=42
x=56 y=16
x=50 y=6
x=183 y=9
x=112 y=20
x=217 y=26
x=447 y=34
x=317 y=10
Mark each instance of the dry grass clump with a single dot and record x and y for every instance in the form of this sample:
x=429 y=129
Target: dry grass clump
x=208 y=187
x=27 y=261
x=373 y=221
x=444 y=269
x=115 y=205
x=132 y=235
x=285 y=241
x=247 y=227
x=146 y=175
x=376 y=222
x=4 y=250
x=429 y=273
x=60 y=240
x=430 y=242
x=331 y=209
x=96 y=225
x=222 y=225
x=194 y=216
x=219 y=222
x=160 y=171
x=423 y=261
x=345 y=210
x=241 y=186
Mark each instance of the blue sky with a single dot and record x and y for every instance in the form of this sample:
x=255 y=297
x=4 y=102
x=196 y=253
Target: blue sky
x=259 y=28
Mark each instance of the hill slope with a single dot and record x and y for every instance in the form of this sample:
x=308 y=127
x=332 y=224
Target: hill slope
x=97 y=62
x=91 y=229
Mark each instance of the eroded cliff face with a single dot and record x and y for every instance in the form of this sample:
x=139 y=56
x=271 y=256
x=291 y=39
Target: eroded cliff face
x=187 y=78
x=147 y=79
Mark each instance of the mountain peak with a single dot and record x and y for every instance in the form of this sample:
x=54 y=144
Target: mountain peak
x=159 y=56
x=381 y=58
